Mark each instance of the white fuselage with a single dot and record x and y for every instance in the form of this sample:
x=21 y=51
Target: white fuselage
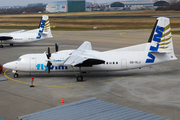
x=120 y=59
x=25 y=37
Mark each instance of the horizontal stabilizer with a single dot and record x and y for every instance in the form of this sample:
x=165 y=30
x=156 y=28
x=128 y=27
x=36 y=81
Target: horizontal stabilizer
x=161 y=52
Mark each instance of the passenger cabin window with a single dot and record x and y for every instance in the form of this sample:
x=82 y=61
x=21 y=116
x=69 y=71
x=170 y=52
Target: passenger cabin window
x=106 y=62
x=116 y=62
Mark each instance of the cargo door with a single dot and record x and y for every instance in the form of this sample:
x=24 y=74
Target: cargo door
x=123 y=64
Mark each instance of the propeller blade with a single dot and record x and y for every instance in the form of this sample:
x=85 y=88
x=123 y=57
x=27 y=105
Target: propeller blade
x=56 y=47
x=49 y=69
x=48 y=65
x=48 y=54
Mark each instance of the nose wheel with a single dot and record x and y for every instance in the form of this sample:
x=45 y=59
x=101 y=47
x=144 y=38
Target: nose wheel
x=16 y=75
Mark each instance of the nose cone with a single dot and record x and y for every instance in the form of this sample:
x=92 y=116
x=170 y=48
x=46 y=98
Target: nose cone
x=9 y=65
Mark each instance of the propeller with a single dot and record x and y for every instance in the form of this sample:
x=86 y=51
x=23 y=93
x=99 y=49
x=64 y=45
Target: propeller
x=56 y=47
x=49 y=55
x=49 y=63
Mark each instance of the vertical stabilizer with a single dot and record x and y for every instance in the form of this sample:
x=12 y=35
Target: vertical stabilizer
x=161 y=37
x=161 y=44
x=44 y=28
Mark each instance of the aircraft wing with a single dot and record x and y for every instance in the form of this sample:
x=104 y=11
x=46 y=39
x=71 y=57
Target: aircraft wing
x=82 y=61
x=78 y=58
x=15 y=32
x=8 y=36
x=5 y=37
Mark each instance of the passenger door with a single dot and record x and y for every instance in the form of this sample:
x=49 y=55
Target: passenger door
x=32 y=64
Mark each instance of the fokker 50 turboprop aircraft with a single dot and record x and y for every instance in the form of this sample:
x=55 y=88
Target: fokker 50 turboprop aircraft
x=158 y=49
x=22 y=36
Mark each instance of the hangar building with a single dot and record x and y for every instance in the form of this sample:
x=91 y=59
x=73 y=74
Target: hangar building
x=66 y=6
x=135 y=5
x=161 y=3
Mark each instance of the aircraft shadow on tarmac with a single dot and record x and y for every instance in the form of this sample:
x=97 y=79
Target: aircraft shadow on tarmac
x=107 y=75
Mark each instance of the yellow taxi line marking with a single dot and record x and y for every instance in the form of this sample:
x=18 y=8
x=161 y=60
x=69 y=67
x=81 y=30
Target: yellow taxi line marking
x=121 y=34
x=89 y=82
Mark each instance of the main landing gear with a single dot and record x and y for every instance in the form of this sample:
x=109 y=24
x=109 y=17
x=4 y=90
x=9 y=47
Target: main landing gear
x=1 y=46
x=79 y=77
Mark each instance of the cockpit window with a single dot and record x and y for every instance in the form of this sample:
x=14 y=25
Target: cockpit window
x=19 y=59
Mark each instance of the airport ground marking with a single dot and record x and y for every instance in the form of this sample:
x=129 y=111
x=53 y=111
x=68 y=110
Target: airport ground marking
x=91 y=82
x=121 y=34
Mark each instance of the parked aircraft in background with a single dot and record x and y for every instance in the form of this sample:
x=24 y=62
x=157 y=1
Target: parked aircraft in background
x=22 y=36
x=158 y=49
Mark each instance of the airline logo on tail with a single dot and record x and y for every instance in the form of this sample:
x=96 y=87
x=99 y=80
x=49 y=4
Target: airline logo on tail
x=44 y=27
x=157 y=38
x=162 y=39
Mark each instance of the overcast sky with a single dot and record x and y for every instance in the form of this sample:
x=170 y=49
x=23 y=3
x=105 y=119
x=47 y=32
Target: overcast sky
x=25 y=2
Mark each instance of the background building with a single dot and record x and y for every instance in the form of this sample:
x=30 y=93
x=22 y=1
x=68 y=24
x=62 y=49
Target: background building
x=66 y=6
x=129 y=5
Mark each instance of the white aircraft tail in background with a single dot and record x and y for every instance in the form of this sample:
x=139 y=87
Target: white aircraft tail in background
x=22 y=36
x=158 y=49
x=44 y=28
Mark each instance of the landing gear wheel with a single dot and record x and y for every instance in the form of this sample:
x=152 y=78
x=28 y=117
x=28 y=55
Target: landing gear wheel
x=1 y=46
x=16 y=75
x=11 y=44
x=79 y=78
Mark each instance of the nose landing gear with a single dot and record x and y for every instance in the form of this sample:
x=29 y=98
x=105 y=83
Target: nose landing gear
x=16 y=75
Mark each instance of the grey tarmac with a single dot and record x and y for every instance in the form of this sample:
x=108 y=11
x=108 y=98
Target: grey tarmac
x=154 y=89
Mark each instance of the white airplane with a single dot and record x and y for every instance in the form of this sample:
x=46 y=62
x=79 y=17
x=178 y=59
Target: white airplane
x=158 y=49
x=22 y=36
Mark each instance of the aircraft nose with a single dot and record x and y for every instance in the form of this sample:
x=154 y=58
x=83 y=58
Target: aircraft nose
x=8 y=65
